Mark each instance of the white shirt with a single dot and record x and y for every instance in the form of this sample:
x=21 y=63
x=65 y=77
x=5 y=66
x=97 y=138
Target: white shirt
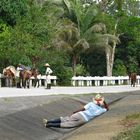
x=19 y=68
x=48 y=71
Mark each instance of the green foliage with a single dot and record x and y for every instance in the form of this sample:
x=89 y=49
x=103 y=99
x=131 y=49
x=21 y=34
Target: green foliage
x=11 y=10
x=35 y=32
x=108 y=20
x=60 y=64
x=4 y=38
x=94 y=61
x=119 y=68
x=54 y=9
x=80 y=70
x=128 y=50
x=29 y=38
x=130 y=25
x=4 y=31
x=75 y=33
x=85 y=15
x=64 y=75
x=128 y=54
x=135 y=135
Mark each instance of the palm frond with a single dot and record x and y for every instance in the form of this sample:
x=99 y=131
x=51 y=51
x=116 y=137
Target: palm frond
x=112 y=38
x=67 y=31
x=98 y=28
x=88 y=17
x=82 y=43
x=63 y=45
x=80 y=46
x=68 y=6
x=94 y=30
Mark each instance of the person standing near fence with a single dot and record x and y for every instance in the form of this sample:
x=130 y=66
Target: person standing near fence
x=48 y=73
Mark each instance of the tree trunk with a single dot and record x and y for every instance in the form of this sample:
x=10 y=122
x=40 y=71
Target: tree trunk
x=110 y=53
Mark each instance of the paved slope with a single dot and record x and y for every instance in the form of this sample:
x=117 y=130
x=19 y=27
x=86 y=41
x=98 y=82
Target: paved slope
x=21 y=117
x=27 y=123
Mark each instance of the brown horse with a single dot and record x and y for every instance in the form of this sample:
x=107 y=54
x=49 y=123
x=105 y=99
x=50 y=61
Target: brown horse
x=133 y=79
x=24 y=78
x=21 y=78
x=35 y=74
x=10 y=75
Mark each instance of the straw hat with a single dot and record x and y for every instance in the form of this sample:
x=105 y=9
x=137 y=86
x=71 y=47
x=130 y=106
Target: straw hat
x=98 y=99
x=47 y=65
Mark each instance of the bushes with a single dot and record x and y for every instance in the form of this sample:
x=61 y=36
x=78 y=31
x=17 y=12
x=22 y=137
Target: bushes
x=60 y=64
x=64 y=75
x=119 y=68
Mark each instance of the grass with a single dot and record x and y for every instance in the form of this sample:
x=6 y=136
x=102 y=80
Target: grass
x=132 y=128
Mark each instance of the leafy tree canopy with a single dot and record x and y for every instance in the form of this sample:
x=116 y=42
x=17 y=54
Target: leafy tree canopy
x=11 y=10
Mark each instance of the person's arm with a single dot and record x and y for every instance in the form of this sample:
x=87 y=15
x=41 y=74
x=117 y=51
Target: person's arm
x=106 y=106
x=82 y=109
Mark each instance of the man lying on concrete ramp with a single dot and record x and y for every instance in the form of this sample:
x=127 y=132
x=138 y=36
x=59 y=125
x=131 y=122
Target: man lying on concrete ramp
x=92 y=109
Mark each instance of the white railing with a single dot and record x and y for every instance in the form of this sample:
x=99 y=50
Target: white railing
x=102 y=81
x=42 y=80
x=84 y=81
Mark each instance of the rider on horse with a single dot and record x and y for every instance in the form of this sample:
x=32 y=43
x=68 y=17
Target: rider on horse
x=20 y=67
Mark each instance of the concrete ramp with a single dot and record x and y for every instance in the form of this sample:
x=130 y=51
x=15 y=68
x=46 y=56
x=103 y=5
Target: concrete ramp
x=27 y=124
x=21 y=118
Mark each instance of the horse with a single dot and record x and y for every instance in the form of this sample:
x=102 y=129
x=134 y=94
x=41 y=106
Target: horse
x=24 y=78
x=10 y=75
x=36 y=75
x=133 y=79
x=20 y=77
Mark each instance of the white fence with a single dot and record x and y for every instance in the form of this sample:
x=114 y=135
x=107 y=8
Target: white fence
x=43 y=80
x=102 y=81
x=85 y=81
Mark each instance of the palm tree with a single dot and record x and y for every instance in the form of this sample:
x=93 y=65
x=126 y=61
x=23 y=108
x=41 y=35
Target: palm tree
x=75 y=34
x=69 y=31
x=105 y=41
x=96 y=33
x=102 y=38
x=82 y=18
x=68 y=37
